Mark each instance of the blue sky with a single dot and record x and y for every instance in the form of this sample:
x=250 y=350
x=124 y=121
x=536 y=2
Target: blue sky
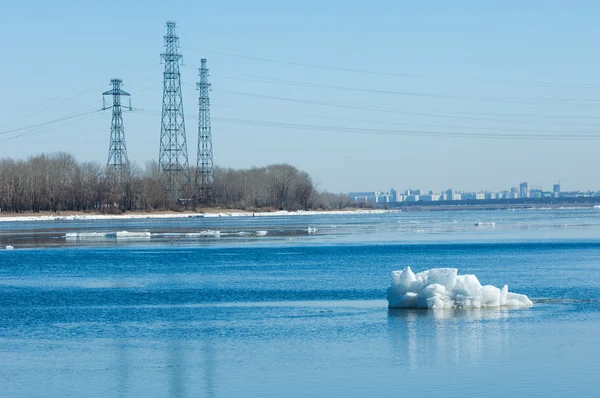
x=349 y=91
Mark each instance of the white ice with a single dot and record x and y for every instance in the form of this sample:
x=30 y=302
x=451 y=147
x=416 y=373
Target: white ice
x=444 y=288
x=191 y=215
x=9 y=247
x=107 y=235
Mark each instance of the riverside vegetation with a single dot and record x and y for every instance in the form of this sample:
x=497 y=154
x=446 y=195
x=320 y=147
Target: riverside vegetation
x=58 y=182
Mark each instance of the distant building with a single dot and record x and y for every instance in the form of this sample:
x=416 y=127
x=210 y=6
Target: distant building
x=514 y=193
x=556 y=190
x=468 y=196
x=572 y=194
x=523 y=190
x=536 y=193
x=372 y=197
x=430 y=198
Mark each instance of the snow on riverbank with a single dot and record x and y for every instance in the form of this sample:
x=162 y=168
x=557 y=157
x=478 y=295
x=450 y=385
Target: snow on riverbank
x=443 y=288
x=80 y=217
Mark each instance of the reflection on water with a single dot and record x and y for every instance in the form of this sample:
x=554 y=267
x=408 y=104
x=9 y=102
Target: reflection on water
x=425 y=337
x=210 y=366
x=177 y=366
x=186 y=362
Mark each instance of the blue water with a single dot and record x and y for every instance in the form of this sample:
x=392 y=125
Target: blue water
x=298 y=314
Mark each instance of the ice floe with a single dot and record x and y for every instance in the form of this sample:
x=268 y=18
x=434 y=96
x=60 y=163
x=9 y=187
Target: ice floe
x=439 y=288
x=107 y=235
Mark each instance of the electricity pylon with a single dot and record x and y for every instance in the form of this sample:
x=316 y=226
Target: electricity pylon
x=173 y=155
x=117 y=150
x=204 y=163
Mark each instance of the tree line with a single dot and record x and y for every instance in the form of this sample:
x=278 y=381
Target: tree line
x=58 y=182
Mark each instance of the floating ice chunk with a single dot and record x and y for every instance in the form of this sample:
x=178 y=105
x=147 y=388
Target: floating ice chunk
x=485 y=224
x=443 y=288
x=312 y=230
x=133 y=235
x=467 y=285
x=404 y=278
x=261 y=233
x=443 y=276
x=9 y=247
x=183 y=235
x=89 y=235
x=517 y=300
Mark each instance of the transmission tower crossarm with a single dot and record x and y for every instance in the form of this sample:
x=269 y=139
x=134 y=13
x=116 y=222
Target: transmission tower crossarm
x=116 y=92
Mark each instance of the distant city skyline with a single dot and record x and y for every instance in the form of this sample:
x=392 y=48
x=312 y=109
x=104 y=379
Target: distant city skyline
x=522 y=191
x=472 y=95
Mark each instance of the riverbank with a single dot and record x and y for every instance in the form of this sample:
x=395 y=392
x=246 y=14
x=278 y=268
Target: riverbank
x=208 y=213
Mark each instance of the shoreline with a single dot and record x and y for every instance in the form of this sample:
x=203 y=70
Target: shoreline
x=81 y=216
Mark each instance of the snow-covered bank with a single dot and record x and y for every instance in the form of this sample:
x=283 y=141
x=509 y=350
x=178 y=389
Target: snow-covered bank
x=187 y=215
x=443 y=288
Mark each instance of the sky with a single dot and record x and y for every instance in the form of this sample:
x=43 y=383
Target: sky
x=469 y=95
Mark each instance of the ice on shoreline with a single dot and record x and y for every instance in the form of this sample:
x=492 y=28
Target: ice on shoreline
x=107 y=235
x=138 y=235
x=83 y=217
x=443 y=288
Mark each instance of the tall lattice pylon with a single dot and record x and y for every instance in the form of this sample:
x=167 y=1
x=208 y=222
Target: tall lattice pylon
x=204 y=165
x=117 y=150
x=173 y=155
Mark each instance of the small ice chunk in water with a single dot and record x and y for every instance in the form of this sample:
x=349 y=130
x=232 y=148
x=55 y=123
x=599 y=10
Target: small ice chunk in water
x=443 y=288
x=9 y=247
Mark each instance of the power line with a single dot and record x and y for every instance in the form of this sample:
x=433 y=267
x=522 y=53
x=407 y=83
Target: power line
x=68 y=117
x=363 y=108
x=407 y=93
x=517 y=134
x=420 y=133
x=409 y=75
x=43 y=129
x=371 y=121
x=367 y=121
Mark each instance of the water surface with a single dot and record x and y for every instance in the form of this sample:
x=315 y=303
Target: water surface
x=298 y=314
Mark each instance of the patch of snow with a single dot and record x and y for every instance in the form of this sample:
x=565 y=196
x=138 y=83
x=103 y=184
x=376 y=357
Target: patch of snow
x=190 y=215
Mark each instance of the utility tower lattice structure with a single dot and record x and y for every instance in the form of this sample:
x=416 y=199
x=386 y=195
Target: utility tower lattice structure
x=117 y=150
x=173 y=155
x=204 y=164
